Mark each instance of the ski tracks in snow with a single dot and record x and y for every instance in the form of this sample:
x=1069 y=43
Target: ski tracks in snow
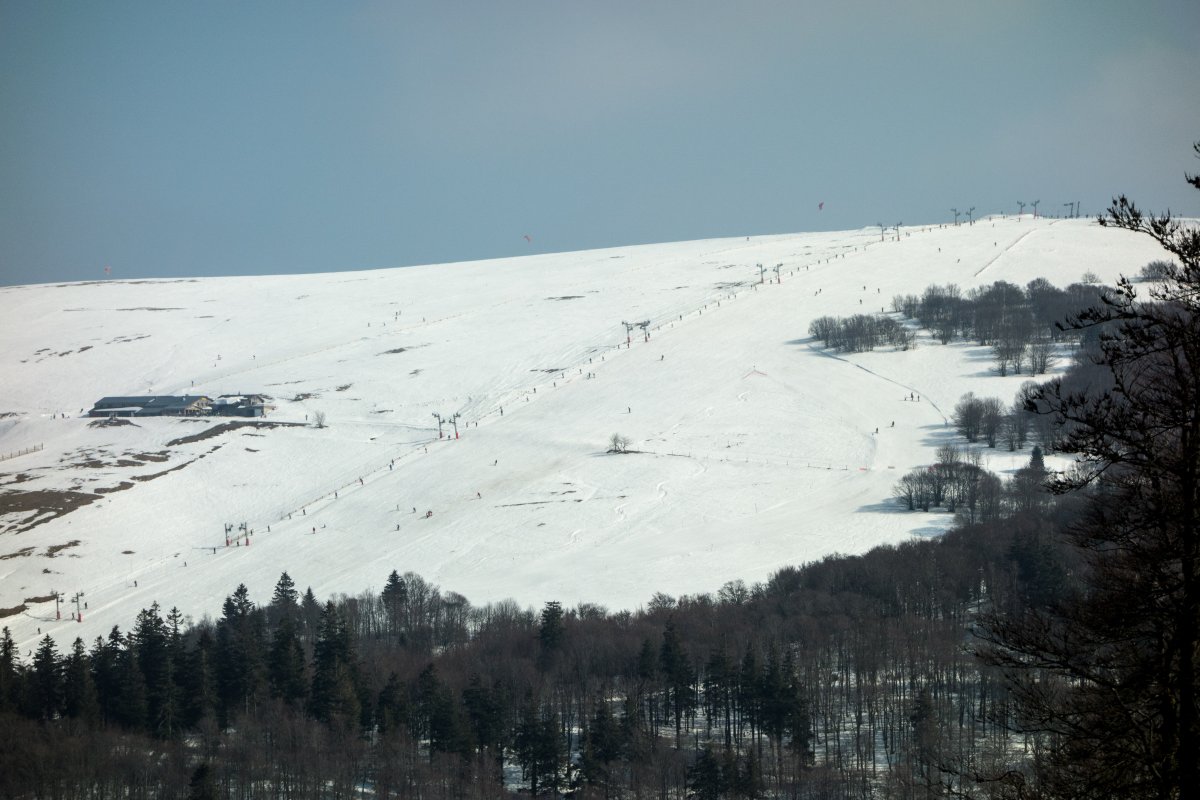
x=881 y=377
x=1005 y=251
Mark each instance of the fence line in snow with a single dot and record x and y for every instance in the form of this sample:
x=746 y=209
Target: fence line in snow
x=26 y=451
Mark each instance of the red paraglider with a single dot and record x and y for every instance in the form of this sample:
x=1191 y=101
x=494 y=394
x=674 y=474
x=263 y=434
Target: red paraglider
x=528 y=238
x=821 y=206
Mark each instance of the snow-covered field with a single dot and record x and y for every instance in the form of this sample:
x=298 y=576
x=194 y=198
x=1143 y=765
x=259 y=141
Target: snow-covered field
x=755 y=448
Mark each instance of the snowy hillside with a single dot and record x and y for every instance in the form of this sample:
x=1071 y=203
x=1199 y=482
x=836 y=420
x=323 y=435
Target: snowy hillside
x=755 y=448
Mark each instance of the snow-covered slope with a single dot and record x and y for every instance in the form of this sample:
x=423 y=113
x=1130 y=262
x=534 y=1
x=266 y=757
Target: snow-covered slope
x=756 y=449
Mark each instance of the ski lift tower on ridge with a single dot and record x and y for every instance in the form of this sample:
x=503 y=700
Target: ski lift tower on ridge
x=645 y=326
x=629 y=326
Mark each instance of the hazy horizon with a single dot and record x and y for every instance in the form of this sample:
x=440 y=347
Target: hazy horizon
x=208 y=139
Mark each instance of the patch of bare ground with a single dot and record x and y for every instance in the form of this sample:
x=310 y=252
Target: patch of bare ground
x=8 y=478
x=7 y=414
x=343 y=387
x=40 y=505
x=157 y=457
x=96 y=463
x=111 y=422
x=152 y=476
x=12 y=612
x=24 y=551
x=54 y=549
x=224 y=427
x=302 y=396
x=120 y=487
x=46 y=598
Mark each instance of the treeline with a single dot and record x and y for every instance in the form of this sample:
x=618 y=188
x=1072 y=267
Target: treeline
x=1020 y=325
x=860 y=333
x=836 y=679
x=957 y=481
x=959 y=484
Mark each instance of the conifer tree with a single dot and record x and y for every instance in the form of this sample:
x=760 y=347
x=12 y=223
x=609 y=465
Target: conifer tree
x=680 y=678
x=603 y=743
x=539 y=749
x=79 y=690
x=486 y=710
x=705 y=778
x=392 y=713
x=152 y=642
x=8 y=670
x=46 y=686
x=550 y=633
x=335 y=696
x=105 y=672
x=130 y=706
x=286 y=672
x=394 y=598
x=197 y=683
x=285 y=600
x=238 y=667
x=1110 y=675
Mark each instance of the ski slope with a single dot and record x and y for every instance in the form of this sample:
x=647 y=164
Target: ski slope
x=756 y=449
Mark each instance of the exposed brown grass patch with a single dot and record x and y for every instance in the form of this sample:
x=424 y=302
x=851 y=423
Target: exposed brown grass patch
x=120 y=487
x=143 y=478
x=111 y=422
x=41 y=505
x=24 y=551
x=224 y=427
x=54 y=549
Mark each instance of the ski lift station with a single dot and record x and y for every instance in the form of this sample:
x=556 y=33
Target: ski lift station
x=251 y=405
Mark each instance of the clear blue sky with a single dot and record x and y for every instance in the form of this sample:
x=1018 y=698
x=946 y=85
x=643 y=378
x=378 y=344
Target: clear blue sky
x=222 y=138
